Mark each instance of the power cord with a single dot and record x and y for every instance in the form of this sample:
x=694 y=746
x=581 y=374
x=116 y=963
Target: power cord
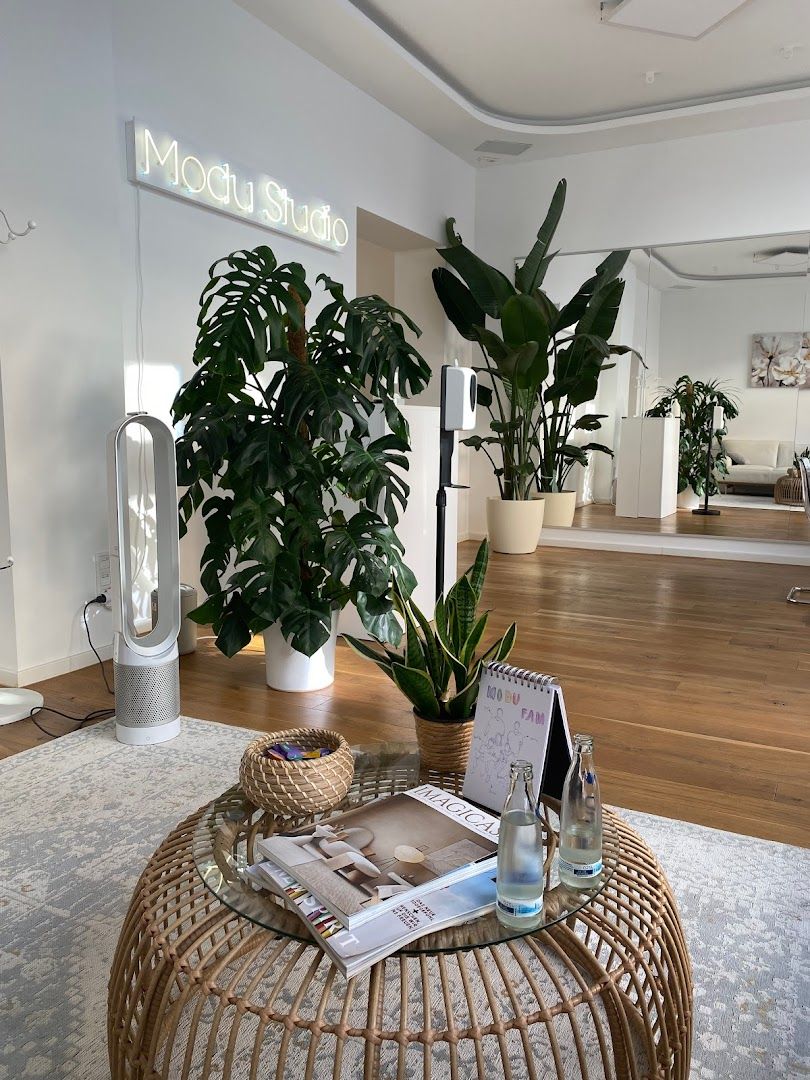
x=96 y=714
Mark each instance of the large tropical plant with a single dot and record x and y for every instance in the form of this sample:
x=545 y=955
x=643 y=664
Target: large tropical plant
x=299 y=506
x=697 y=401
x=544 y=362
x=439 y=669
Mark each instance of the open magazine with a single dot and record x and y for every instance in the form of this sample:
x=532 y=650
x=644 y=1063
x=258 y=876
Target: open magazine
x=371 y=859
x=353 y=951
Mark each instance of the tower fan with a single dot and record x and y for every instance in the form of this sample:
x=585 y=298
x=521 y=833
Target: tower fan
x=147 y=683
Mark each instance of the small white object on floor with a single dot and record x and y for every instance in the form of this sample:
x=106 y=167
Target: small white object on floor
x=17 y=704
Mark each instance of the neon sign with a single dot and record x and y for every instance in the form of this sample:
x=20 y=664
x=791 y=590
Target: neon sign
x=162 y=162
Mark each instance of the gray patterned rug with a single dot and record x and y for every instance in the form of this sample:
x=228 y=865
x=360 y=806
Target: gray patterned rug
x=81 y=816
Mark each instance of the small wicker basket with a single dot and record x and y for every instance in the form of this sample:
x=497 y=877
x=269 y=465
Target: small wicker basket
x=296 y=788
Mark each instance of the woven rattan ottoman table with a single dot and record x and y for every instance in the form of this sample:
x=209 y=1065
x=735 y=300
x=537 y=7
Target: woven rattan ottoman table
x=212 y=979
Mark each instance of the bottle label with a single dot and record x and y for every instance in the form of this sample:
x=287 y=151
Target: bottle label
x=581 y=870
x=520 y=908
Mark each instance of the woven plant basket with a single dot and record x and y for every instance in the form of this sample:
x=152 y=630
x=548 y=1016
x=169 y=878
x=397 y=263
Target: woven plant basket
x=296 y=788
x=444 y=745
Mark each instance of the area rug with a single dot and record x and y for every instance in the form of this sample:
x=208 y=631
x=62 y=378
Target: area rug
x=80 y=817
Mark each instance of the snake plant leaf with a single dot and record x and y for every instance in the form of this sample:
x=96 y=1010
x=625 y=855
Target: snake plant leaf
x=478 y=571
x=473 y=639
x=489 y=287
x=437 y=663
x=418 y=689
x=460 y=306
x=530 y=275
x=462 y=706
x=506 y=644
x=464 y=600
x=382 y=661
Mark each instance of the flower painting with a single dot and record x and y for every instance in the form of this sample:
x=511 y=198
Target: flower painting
x=781 y=360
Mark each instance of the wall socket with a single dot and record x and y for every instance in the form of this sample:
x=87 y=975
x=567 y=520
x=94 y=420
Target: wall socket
x=101 y=562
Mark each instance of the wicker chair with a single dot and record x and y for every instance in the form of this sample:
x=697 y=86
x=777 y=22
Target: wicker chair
x=795 y=594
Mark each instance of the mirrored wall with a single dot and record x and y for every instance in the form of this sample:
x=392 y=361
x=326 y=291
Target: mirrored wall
x=715 y=398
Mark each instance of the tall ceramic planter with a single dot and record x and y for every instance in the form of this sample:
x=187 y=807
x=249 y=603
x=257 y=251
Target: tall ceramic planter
x=288 y=669
x=514 y=525
x=687 y=499
x=560 y=507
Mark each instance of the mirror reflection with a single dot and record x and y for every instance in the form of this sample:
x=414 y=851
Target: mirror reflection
x=707 y=430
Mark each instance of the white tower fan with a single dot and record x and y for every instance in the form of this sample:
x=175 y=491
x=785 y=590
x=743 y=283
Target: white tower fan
x=147 y=682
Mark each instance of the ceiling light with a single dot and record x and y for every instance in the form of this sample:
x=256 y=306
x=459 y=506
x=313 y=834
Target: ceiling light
x=503 y=146
x=686 y=18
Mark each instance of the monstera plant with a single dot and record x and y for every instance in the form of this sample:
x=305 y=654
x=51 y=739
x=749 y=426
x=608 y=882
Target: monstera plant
x=299 y=503
x=542 y=361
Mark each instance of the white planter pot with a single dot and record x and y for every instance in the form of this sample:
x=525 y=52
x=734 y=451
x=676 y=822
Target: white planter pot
x=514 y=524
x=688 y=500
x=560 y=507
x=290 y=670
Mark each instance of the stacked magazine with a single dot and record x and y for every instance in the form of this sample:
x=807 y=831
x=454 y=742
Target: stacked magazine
x=372 y=880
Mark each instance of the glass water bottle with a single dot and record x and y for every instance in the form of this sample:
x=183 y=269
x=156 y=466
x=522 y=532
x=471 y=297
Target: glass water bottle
x=520 y=854
x=580 y=863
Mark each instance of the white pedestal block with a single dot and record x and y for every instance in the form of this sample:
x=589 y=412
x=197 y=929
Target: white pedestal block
x=647 y=467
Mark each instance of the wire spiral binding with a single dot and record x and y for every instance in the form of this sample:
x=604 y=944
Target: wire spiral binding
x=521 y=675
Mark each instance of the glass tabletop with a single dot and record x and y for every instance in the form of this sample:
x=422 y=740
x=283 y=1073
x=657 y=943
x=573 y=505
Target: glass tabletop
x=224 y=845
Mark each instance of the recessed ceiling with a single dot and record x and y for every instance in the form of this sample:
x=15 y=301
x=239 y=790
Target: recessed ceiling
x=686 y=18
x=734 y=259
x=552 y=72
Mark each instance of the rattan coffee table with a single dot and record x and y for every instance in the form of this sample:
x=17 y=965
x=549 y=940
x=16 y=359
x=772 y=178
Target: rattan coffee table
x=212 y=979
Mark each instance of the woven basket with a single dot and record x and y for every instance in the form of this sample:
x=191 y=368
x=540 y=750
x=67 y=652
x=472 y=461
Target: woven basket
x=295 y=788
x=444 y=745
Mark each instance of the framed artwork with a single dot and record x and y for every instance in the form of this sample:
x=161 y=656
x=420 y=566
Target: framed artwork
x=780 y=359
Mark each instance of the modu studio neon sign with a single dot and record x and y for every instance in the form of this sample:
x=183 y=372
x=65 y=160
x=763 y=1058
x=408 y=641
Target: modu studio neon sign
x=162 y=162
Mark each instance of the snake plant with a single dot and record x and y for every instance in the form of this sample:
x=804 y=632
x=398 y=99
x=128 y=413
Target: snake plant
x=439 y=669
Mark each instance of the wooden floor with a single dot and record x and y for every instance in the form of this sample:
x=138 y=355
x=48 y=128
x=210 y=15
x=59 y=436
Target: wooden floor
x=693 y=675
x=735 y=522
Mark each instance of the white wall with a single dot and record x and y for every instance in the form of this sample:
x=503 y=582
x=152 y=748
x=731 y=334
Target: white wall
x=207 y=71
x=60 y=313
x=706 y=333
x=375 y=270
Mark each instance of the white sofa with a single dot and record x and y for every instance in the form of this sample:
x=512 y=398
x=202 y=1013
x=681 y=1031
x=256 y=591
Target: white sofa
x=764 y=461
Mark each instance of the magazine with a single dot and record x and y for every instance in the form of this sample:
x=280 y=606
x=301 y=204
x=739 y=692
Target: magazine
x=370 y=859
x=353 y=951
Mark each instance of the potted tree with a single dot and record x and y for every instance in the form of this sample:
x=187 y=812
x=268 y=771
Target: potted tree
x=275 y=453
x=542 y=366
x=697 y=401
x=439 y=669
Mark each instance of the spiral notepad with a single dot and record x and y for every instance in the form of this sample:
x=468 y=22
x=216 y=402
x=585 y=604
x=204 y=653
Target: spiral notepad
x=519 y=714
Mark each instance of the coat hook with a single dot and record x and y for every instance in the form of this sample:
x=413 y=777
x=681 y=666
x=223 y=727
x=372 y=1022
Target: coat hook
x=11 y=234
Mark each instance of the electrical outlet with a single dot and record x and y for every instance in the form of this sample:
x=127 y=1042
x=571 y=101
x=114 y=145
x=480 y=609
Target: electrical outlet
x=103 y=574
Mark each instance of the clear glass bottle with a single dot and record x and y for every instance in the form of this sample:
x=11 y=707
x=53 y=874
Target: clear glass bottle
x=520 y=877
x=580 y=862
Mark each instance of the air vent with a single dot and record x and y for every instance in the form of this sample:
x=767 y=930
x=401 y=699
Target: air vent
x=684 y=18
x=498 y=146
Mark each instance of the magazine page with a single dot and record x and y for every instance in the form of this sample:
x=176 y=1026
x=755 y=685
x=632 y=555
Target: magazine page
x=355 y=951
x=371 y=858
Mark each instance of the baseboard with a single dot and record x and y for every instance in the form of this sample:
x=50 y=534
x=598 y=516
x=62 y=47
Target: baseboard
x=786 y=552
x=51 y=668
